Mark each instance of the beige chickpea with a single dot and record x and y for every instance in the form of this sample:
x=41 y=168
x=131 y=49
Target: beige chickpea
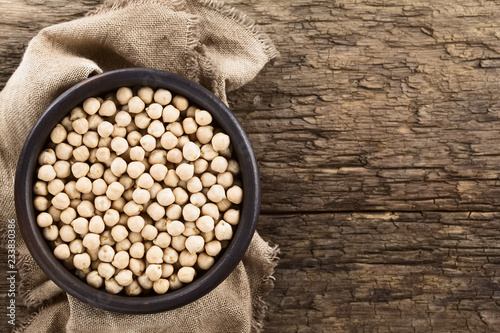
x=131 y=208
x=162 y=240
x=208 y=236
x=155 y=211
x=178 y=242
x=180 y=102
x=105 y=269
x=225 y=179
x=232 y=216
x=107 y=109
x=219 y=164
x=133 y=289
x=47 y=156
x=224 y=205
x=135 y=237
x=96 y=171
x=91 y=139
x=88 y=196
x=58 y=134
x=68 y=215
x=115 y=191
x=189 y=125
x=123 y=95
x=50 y=233
x=205 y=223
x=44 y=220
x=124 y=277
x=141 y=196
x=194 y=244
x=205 y=262
x=190 y=229
x=235 y=194
x=175 y=128
x=184 y=171
x=174 y=212
x=74 y=139
x=157 y=156
x=118 y=167
x=175 y=156
x=142 y=120
x=91 y=105
x=126 y=182
x=155 y=111
x=55 y=186
x=106 y=238
x=213 y=248
x=91 y=241
x=200 y=166
x=216 y=193
x=102 y=203
x=187 y=259
x=137 y=153
x=71 y=191
x=171 y=179
x=186 y=274
x=170 y=114
x=162 y=96
x=81 y=261
x=134 y=138
x=80 y=126
x=204 y=134
x=62 y=252
x=60 y=201
x=191 y=152
x=168 y=140
x=198 y=199
x=161 y=225
x=123 y=119
x=174 y=282
x=118 y=204
x=135 y=223
x=120 y=132
x=119 y=233
x=226 y=152
x=94 y=280
x=154 y=272
x=170 y=256
x=121 y=260
x=148 y=142
x=80 y=169
x=106 y=142
x=137 y=250
x=155 y=255
x=84 y=185
x=123 y=245
x=119 y=145
x=99 y=187
x=62 y=169
x=149 y=232
x=156 y=128
x=145 y=181
x=203 y=117
x=136 y=105
x=165 y=197
x=81 y=154
x=108 y=176
x=46 y=173
x=135 y=169
x=175 y=228
x=145 y=282
x=106 y=253
x=80 y=225
x=64 y=151
x=66 y=123
x=223 y=231
x=207 y=152
x=96 y=225
x=194 y=185
x=166 y=270
x=94 y=121
x=112 y=286
x=190 y=212
x=40 y=188
x=161 y=286
x=158 y=172
x=137 y=266
x=220 y=141
x=41 y=203
x=211 y=210
x=103 y=154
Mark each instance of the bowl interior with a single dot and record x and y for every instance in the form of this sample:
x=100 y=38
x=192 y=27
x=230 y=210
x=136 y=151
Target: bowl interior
x=97 y=86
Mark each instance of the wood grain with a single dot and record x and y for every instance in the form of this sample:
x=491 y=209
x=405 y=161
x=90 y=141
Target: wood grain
x=376 y=133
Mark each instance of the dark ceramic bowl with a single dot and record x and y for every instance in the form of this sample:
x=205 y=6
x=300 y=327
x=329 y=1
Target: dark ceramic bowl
x=97 y=86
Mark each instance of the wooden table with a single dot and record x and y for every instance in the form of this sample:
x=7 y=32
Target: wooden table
x=377 y=134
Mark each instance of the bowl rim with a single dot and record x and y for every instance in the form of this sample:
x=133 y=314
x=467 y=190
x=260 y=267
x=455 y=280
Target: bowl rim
x=99 y=85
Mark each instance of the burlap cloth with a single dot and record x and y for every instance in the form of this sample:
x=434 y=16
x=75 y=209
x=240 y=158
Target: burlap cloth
x=205 y=41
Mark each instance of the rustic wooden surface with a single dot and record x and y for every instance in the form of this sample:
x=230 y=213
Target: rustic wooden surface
x=377 y=135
